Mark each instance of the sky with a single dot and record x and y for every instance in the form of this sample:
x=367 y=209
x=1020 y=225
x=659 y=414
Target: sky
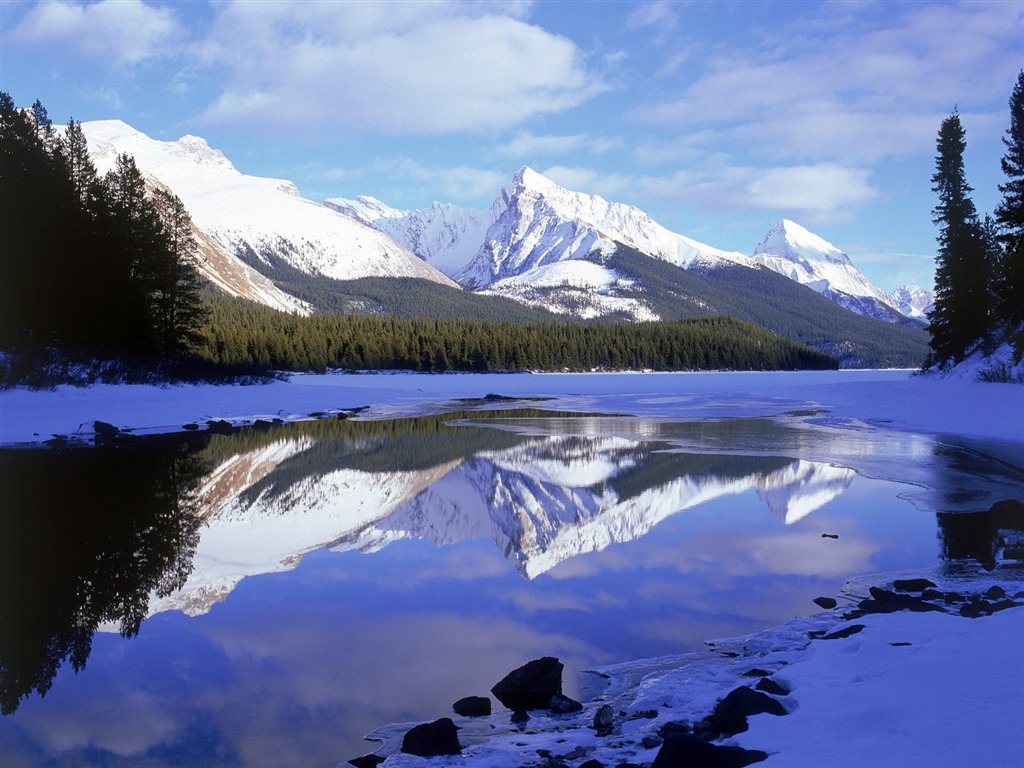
x=716 y=118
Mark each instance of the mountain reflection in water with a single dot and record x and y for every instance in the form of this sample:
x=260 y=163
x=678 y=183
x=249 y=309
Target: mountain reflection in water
x=101 y=538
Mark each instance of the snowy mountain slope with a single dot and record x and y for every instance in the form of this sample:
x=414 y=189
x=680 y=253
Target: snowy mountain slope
x=800 y=255
x=913 y=301
x=444 y=236
x=535 y=222
x=264 y=218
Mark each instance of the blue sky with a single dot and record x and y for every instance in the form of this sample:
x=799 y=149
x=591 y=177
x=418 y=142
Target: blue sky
x=717 y=118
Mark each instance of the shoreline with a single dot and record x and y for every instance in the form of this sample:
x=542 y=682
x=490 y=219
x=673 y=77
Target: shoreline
x=843 y=658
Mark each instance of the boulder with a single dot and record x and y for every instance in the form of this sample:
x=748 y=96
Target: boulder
x=767 y=685
x=473 y=706
x=731 y=713
x=440 y=737
x=366 y=761
x=531 y=686
x=562 y=705
x=912 y=585
x=828 y=603
x=682 y=750
x=839 y=634
x=604 y=719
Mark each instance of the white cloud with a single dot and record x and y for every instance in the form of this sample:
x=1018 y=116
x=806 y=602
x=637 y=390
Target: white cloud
x=529 y=145
x=402 y=68
x=874 y=87
x=117 y=32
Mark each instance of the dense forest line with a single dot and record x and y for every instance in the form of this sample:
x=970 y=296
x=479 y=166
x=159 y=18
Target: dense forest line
x=242 y=333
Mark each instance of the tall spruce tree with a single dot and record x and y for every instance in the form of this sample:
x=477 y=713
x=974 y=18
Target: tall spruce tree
x=179 y=307
x=1009 y=215
x=963 y=303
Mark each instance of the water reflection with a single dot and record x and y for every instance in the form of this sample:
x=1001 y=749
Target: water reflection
x=85 y=538
x=558 y=534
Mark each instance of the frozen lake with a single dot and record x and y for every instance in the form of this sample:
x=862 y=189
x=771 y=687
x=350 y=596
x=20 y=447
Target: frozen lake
x=296 y=586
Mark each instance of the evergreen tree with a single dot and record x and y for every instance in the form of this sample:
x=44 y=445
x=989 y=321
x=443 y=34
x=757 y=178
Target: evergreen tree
x=962 y=313
x=1009 y=214
x=179 y=307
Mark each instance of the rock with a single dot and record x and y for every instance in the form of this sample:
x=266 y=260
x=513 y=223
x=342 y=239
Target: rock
x=828 y=603
x=830 y=535
x=767 y=685
x=104 y=430
x=672 y=728
x=440 y=737
x=885 y=601
x=531 y=686
x=756 y=672
x=604 y=719
x=731 y=713
x=995 y=592
x=684 y=750
x=219 y=427
x=592 y=763
x=366 y=761
x=520 y=716
x=839 y=634
x=650 y=741
x=561 y=705
x=912 y=585
x=473 y=706
x=192 y=427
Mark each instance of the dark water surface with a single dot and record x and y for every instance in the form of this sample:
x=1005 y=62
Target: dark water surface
x=268 y=597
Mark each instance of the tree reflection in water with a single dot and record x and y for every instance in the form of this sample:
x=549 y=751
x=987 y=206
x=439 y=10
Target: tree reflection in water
x=86 y=535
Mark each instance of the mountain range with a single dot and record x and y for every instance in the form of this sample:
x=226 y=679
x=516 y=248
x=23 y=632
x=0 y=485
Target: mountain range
x=541 y=245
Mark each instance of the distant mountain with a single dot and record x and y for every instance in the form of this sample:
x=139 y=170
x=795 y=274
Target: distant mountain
x=263 y=222
x=445 y=236
x=913 y=301
x=800 y=255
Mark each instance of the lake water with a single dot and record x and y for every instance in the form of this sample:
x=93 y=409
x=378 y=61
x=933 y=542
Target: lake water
x=268 y=597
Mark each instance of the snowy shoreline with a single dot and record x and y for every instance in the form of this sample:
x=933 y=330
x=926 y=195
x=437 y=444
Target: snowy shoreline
x=894 y=688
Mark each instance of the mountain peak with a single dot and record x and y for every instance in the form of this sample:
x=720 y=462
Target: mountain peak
x=789 y=239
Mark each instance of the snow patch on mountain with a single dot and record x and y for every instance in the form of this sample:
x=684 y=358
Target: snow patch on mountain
x=800 y=255
x=265 y=219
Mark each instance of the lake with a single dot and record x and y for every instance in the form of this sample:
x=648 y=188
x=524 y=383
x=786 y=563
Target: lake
x=268 y=597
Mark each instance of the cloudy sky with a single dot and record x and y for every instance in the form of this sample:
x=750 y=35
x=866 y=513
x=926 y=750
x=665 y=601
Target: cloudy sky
x=717 y=118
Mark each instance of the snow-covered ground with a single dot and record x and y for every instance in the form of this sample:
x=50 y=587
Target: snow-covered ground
x=893 y=399
x=910 y=689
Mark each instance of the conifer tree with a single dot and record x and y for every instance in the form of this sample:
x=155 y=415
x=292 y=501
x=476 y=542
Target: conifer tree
x=962 y=298
x=1009 y=215
x=179 y=307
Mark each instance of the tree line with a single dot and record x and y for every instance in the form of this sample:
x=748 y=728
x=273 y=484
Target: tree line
x=98 y=264
x=979 y=273
x=241 y=333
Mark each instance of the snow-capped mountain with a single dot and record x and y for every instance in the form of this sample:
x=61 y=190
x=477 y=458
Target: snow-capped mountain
x=800 y=255
x=444 y=235
x=264 y=219
x=913 y=301
x=535 y=222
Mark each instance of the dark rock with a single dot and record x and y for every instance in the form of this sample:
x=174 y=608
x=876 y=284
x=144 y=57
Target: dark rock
x=192 y=427
x=650 y=742
x=886 y=601
x=995 y=592
x=473 y=706
x=900 y=643
x=767 y=685
x=520 y=716
x=828 y=603
x=670 y=729
x=604 y=719
x=219 y=426
x=592 y=763
x=440 y=737
x=839 y=634
x=705 y=730
x=366 y=761
x=561 y=705
x=756 y=672
x=731 y=713
x=932 y=594
x=681 y=751
x=830 y=535
x=627 y=765
x=912 y=585
x=105 y=430
x=1002 y=605
x=644 y=714
x=531 y=686
x=974 y=610
x=953 y=597
x=262 y=424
